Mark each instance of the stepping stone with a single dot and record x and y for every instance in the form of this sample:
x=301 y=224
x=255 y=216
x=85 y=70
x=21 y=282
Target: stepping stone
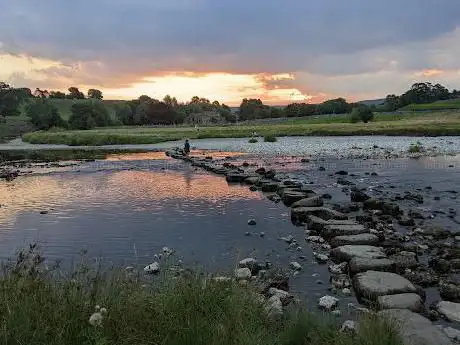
x=235 y=177
x=405 y=259
x=358 y=265
x=361 y=239
x=346 y=253
x=270 y=186
x=450 y=310
x=301 y=213
x=316 y=223
x=290 y=197
x=315 y=201
x=252 y=180
x=410 y=301
x=333 y=230
x=415 y=329
x=372 y=284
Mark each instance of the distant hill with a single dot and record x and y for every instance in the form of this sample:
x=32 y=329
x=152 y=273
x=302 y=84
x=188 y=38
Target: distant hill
x=370 y=102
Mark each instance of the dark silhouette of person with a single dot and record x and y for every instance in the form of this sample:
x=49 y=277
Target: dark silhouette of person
x=186 y=147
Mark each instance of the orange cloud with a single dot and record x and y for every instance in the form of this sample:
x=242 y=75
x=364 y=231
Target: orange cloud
x=429 y=73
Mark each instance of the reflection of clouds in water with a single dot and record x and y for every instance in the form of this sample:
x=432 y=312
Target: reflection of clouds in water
x=71 y=192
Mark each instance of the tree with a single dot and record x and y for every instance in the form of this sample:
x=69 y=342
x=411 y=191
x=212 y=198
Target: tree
x=89 y=115
x=335 y=106
x=393 y=102
x=155 y=112
x=171 y=101
x=57 y=95
x=362 y=113
x=9 y=101
x=125 y=114
x=95 y=94
x=253 y=109
x=39 y=93
x=44 y=115
x=74 y=93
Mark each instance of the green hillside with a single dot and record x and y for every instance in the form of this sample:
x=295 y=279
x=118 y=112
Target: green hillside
x=439 y=105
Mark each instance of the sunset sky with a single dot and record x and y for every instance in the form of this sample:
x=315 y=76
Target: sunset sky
x=277 y=50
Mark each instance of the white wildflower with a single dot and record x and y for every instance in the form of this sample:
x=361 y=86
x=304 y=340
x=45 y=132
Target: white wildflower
x=96 y=319
x=98 y=307
x=103 y=311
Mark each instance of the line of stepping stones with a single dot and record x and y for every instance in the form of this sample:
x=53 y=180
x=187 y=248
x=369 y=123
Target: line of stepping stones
x=355 y=254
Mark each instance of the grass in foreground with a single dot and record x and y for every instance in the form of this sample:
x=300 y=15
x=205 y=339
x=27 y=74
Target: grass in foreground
x=45 y=306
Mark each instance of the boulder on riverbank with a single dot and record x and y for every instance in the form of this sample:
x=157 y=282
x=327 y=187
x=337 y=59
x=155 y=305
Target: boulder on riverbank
x=410 y=301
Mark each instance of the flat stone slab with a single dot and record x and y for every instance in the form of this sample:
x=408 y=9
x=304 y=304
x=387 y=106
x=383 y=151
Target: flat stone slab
x=359 y=239
x=348 y=252
x=450 y=310
x=358 y=265
x=410 y=301
x=316 y=223
x=372 y=284
x=301 y=213
x=415 y=329
x=333 y=230
x=315 y=201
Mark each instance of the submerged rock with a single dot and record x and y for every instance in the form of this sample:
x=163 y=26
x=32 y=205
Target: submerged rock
x=295 y=266
x=333 y=230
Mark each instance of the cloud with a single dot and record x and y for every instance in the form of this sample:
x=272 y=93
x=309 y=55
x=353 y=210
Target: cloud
x=117 y=43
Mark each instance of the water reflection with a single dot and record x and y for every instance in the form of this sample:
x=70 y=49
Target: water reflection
x=84 y=191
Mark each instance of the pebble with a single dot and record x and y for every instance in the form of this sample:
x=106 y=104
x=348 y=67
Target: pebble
x=328 y=303
x=262 y=234
x=295 y=266
x=321 y=258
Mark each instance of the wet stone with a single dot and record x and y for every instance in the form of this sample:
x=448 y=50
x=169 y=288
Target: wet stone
x=315 y=201
x=372 y=284
x=449 y=310
x=301 y=213
x=409 y=301
x=366 y=239
x=348 y=252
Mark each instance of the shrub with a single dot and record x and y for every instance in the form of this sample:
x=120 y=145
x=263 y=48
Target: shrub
x=44 y=115
x=253 y=141
x=416 y=148
x=362 y=113
x=270 y=139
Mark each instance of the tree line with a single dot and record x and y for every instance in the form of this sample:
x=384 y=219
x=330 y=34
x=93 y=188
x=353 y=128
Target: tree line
x=419 y=93
x=145 y=110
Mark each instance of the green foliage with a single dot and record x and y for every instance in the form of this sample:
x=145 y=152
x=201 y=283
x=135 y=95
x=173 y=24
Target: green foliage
x=125 y=114
x=95 y=94
x=334 y=106
x=251 y=109
x=270 y=139
x=44 y=305
x=89 y=115
x=44 y=115
x=57 y=95
x=416 y=148
x=362 y=113
x=10 y=99
x=252 y=141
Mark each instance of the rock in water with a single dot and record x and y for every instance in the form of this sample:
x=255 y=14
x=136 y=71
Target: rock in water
x=361 y=239
x=346 y=253
x=328 y=303
x=153 y=268
x=372 y=284
x=358 y=265
x=450 y=310
x=409 y=301
x=252 y=222
x=359 y=196
x=295 y=266
x=415 y=329
x=315 y=201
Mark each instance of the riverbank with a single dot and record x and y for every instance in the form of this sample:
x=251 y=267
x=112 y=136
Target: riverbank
x=42 y=305
x=437 y=124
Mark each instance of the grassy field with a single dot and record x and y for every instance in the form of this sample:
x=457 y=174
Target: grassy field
x=44 y=305
x=439 y=105
x=426 y=124
x=64 y=106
